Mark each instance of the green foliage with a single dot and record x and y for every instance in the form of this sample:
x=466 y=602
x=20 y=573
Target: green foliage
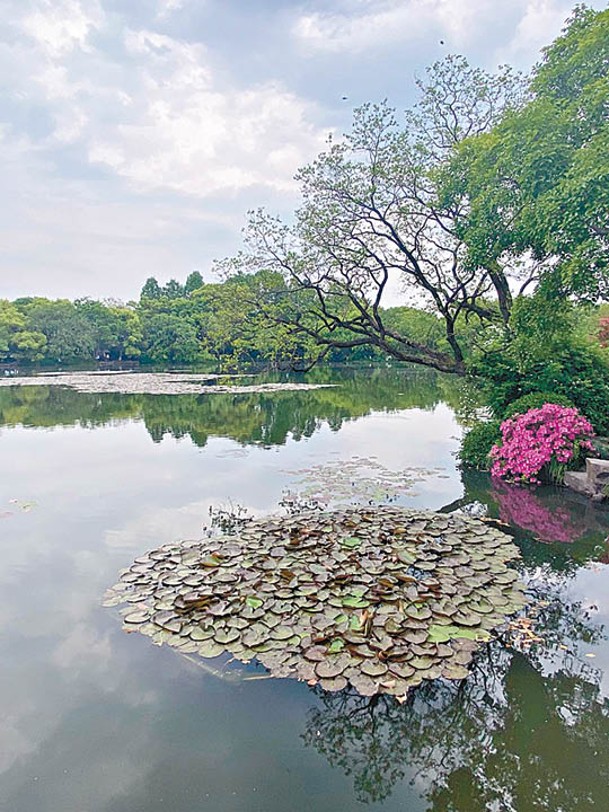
x=544 y=354
x=194 y=281
x=535 y=400
x=151 y=289
x=419 y=325
x=241 y=322
x=169 y=337
x=69 y=334
x=537 y=185
x=477 y=443
x=28 y=346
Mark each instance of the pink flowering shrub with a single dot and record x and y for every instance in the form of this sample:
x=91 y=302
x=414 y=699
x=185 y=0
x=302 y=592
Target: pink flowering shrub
x=540 y=444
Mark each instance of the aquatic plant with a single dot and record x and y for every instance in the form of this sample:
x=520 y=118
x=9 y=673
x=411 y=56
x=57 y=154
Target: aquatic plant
x=381 y=599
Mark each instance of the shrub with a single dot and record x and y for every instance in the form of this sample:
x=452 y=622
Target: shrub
x=477 y=444
x=541 y=444
x=577 y=373
x=534 y=401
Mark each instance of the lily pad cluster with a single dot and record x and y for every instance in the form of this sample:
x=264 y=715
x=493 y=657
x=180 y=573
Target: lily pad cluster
x=358 y=479
x=380 y=599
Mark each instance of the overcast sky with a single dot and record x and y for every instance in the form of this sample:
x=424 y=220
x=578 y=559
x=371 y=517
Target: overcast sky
x=137 y=133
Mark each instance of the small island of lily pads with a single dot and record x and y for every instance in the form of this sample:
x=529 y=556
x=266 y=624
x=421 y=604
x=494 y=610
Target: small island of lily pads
x=377 y=598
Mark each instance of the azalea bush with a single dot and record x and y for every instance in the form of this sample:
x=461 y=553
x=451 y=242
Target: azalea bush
x=540 y=444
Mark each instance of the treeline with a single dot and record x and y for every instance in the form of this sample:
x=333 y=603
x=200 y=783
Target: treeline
x=195 y=322
x=190 y=323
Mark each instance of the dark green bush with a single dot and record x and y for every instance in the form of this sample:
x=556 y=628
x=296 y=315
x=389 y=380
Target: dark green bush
x=577 y=373
x=535 y=401
x=477 y=443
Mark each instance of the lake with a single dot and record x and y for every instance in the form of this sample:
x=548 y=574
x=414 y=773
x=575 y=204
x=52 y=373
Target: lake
x=96 y=720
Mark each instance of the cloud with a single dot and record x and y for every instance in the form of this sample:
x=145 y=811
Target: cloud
x=541 y=21
x=189 y=132
x=136 y=134
x=153 y=111
x=59 y=26
x=165 y=8
x=381 y=24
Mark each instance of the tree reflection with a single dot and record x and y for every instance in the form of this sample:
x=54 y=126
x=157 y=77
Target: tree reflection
x=524 y=731
x=258 y=418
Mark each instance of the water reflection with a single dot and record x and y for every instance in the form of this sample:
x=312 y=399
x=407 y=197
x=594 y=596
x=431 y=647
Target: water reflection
x=96 y=720
x=551 y=525
x=508 y=738
x=267 y=419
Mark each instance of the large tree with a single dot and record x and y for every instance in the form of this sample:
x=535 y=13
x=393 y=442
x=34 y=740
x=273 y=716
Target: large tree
x=370 y=214
x=534 y=191
x=490 y=187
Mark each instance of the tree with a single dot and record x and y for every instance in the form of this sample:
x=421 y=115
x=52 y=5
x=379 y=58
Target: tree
x=173 y=290
x=116 y=329
x=235 y=328
x=170 y=339
x=534 y=191
x=151 y=289
x=28 y=345
x=11 y=321
x=69 y=335
x=194 y=281
x=128 y=332
x=370 y=212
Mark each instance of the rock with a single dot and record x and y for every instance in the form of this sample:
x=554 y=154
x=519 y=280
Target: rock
x=578 y=481
x=597 y=473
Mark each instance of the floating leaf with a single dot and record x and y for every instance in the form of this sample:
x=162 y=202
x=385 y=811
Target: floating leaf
x=351 y=542
x=354 y=602
x=413 y=604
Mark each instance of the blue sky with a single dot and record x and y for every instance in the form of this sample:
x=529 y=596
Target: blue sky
x=137 y=133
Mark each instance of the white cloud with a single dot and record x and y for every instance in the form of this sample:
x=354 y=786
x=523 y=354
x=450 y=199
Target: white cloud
x=369 y=24
x=188 y=133
x=135 y=135
x=166 y=8
x=59 y=26
x=541 y=22
x=157 y=115
x=383 y=23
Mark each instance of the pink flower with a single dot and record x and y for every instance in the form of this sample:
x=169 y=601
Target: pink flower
x=544 y=438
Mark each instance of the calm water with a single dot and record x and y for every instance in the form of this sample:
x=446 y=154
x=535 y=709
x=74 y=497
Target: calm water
x=94 y=720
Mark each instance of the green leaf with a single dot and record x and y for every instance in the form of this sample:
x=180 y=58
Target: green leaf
x=351 y=542
x=355 y=603
x=355 y=623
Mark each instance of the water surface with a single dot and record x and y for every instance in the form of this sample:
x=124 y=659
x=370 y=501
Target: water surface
x=94 y=720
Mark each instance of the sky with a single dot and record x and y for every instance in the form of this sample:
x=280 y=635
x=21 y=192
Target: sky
x=136 y=134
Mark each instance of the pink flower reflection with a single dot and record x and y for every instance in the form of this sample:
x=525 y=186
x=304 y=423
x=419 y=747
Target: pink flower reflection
x=547 y=521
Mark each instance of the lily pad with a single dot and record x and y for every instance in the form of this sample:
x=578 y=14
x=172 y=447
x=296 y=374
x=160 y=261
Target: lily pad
x=381 y=599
